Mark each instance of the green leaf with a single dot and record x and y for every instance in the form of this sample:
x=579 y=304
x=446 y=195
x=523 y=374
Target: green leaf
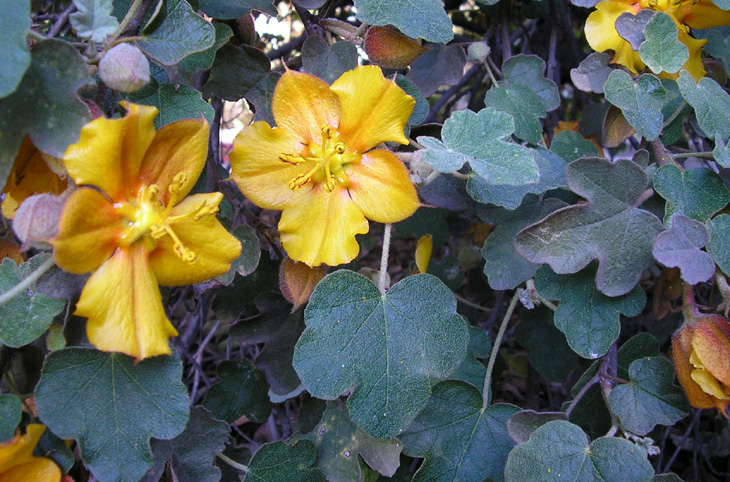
x=696 y=193
x=425 y=19
x=640 y=102
x=248 y=260
x=483 y=140
x=25 y=317
x=425 y=220
x=661 y=51
x=560 y=450
x=328 y=62
x=523 y=424
x=523 y=105
x=458 y=440
x=15 y=55
x=177 y=102
x=630 y=27
x=717 y=46
x=529 y=70
x=241 y=390
x=471 y=370
x=234 y=9
x=550 y=353
x=339 y=442
x=420 y=110
x=680 y=247
x=442 y=64
x=236 y=299
x=589 y=319
x=10 y=412
x=112 y=406
x=505 y=268
x=279 y=462
x=386 y=348
x=571 y=146
x=235 y=71
x=651 y=398
x=182 y=33
x=45 y=105
x=93 y=19
x=719 y=245
x=609 y=227
x=204 y=60
x=592 y=73
x=711 y=104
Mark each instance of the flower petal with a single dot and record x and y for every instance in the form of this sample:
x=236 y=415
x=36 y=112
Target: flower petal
x=303 y=104
x=374 y=109
x=702 y=14
x=38 y=469
x=88 y=232
x=179 y=147
x=321 y=227
x=381 y=187
x=257 y=170
x=109 y=151
x=697 y=397
x=694 y=64
x=712 y=348
x=123 y=304
x=601 y=34
x=214 y=246
x=19 y=449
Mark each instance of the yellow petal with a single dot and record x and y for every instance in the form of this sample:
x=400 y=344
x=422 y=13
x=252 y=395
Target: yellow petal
x=38 y=469
x=179 y=147
x=701 y=15
x=257 y=170
x=694 y=64
x=19 y=449
x=708 y=383
x=697 y=397
x=109 y=151
x=213 y=245
x=303 y=104
x=320 y=228
x=381 y=187
x=424 y=248
x=88 y=232
x=601 y=34
x=712 y=348
x=374 y=109
x=123 y=304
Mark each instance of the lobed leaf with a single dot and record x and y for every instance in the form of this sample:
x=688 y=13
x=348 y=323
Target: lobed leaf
x=93 y=19
x=424 y=19
x=680 y=247
x=661 y=51
x=640 y=102
x=696 y=193
x=15 y=54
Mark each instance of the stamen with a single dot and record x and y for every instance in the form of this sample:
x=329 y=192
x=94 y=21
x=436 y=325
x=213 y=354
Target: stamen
x=185 y=254
x=205 y=210
x=340 y=148
x=303 y=179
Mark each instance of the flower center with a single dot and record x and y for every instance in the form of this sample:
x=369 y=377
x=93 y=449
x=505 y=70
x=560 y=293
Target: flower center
x=327 y=162
x=666 y=6
x=148 y=219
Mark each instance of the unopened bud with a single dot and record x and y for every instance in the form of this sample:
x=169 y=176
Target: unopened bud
x=36 y=220
x=478 y=52
x=297 y=281
x=124 y=68
x=389 y=48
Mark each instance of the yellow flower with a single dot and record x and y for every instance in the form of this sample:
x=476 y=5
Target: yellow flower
x=17 y=463
x=134 y=227
x=319 y=165
x=601 y=31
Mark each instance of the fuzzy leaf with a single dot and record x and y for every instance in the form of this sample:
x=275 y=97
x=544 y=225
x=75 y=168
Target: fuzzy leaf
x=523 y=105
x=178 y=102
x=241 y=390
x=10 y=412
x=204 y=60
x=248 y=260
x=529 y=70
x=680 y=247
x=15 y=55
x=719 y=245
x=696 y=193
x=233 y=9
x=471 y=370
x=641 y=101
x=592 y=73
x=572 y=145
x=279 y=462
x=425 y=19
x=630 y=27
x=442 y=64
x=93 y=19
x=328 y=62
x=661 y=51
x=711 y=104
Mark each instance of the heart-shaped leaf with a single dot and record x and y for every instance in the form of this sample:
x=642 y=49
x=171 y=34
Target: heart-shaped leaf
x=680 y=247
x=641 y=101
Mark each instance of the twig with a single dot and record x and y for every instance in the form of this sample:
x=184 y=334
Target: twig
x=384 y=258
x=582 y=393
x=447 y=95
x=495 y=350
x=26 y=283
x=61 y=21
x=233 y=463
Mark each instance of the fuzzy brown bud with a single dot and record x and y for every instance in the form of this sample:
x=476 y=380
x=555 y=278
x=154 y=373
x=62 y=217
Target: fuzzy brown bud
x=124 y=68
x=389 y=48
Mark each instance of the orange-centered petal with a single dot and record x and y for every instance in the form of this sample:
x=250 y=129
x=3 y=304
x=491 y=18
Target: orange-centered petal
x=17 y=463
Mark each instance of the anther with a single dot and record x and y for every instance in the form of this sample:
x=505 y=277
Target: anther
x=177 y=182
x=340 y=148
x=205 y=210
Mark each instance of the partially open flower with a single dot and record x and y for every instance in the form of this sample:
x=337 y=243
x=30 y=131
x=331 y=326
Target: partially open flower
x=17 y=463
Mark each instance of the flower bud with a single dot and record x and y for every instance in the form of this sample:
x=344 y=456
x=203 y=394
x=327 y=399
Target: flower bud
x=36 y=220
x=389 y=48
x=297 y=281
x=478 y=52
x=424 y=248
x=124 y=68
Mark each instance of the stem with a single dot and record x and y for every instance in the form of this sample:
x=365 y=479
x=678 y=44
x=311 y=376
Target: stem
x=125 y=21
x=675 y=114
x=463 y=300
x=27 y=282
x=495 y=350
x=491 y=74
x=384 y=258
x=581 y=394
x=234 y=464
x=685 y=155
x=689 y=306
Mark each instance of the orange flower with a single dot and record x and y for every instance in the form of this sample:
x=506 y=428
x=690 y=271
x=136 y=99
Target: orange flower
x=319 y=165
x=134 y=228
x=601 y=31
x=17 y=463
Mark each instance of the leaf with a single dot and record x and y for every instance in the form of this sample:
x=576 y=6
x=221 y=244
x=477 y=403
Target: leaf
x=592 y=73
x=241 y=391
x=328 y=62
x=182 y=33
x=711 y=104
x=260 y=97
x=616 y=129
x=550 y=353
x=661 y=51
x=177 y=102
x=471 y=370
x=640 y=102
x=420 y=110
x=45 y=105
x=482 y=140
x=529 y=70
x=523 y=105
x=386 y=348
x=440 y=65
x=234 y=9
x=522 y=424
x=339 y=442
x=680 y=247
x=631 y=27
x=651 y=398
x=248 y=260
x=572 y=145
x=204 y=60
x=722 y=4
x=235 y=71
x=609 y=227
x=458 y=440
x=112 y=406
x=93 y=19
x=425 y=220
x=25 y=317
x=505 y=268
x=279 y=462
x=696 y=193
x=192 y=453
x=426 y=19
x=589 y=319
x=719 y=245
x=560 y=449
x=15 y=55
x=236 y=299
x=11 y=411
x=717 y=46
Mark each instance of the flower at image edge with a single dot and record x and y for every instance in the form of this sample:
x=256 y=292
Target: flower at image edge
x=17 y=463
x=131 y=224
x=319 y=165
